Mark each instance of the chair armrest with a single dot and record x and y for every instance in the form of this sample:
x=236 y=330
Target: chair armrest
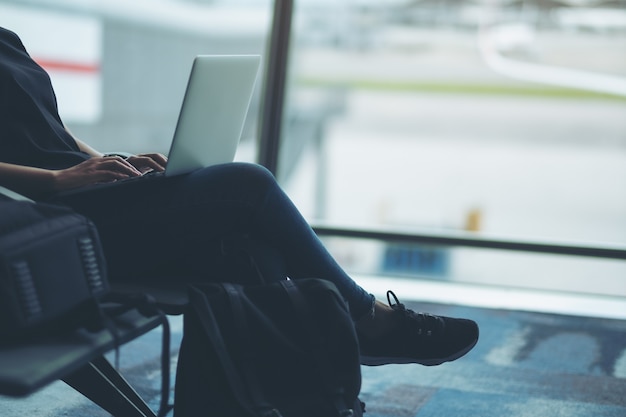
x=12 y=195
x=29 y=366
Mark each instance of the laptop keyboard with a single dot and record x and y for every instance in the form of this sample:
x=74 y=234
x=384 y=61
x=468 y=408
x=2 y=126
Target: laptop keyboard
x=149 y=174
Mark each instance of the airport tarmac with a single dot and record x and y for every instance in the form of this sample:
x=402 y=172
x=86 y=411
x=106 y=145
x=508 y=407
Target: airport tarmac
x=533 y=168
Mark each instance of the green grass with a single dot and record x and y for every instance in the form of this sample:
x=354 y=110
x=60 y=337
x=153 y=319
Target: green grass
x=461 y=88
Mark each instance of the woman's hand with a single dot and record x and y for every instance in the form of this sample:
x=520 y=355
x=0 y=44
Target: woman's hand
x=148 y=162
x=38 y=182
x=94 y=170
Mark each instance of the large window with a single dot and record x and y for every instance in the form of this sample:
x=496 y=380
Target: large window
x=490 y=118
x=496 y=118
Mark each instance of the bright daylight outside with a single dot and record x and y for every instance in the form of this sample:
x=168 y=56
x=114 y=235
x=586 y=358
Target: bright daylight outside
x=489 y=117
x=495 y=118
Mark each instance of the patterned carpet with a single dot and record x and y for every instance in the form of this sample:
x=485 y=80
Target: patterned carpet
x=524 y=365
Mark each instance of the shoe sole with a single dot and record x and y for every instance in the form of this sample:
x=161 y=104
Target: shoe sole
x=378 y=361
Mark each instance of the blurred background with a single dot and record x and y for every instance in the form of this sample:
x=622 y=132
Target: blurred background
x=497 y=118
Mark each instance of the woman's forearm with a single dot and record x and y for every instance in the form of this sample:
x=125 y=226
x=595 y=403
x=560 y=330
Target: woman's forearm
x=30 y=181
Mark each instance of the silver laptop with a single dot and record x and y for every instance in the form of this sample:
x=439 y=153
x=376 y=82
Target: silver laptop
x=213 y=112
x=211 y=117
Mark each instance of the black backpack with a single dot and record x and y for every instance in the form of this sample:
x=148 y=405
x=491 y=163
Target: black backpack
x=52 y=268
x=53 y=279
x=287 y=349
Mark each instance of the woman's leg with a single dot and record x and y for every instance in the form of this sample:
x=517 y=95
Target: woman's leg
x=176 y=226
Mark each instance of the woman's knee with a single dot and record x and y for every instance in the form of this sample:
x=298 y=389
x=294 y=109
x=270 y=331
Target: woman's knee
x=256 y=171
x=228 y=180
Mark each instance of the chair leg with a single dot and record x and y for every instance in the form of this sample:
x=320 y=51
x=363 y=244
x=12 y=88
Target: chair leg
x=103 y=385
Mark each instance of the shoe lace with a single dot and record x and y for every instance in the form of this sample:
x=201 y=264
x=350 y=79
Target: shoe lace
x=425 y=324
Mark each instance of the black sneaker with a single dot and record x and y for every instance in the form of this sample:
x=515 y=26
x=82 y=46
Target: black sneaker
x=419 y=338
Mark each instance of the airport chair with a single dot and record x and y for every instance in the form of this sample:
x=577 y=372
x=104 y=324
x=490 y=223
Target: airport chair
x=78 y=359
x=171 y=298
x=77 y=356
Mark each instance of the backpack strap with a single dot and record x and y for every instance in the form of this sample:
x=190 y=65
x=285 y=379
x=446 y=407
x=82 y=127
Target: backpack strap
x=202 y=307
x=255 y=389
x=303 y=310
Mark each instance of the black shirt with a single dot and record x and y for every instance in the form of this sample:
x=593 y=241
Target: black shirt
x=31 y=131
